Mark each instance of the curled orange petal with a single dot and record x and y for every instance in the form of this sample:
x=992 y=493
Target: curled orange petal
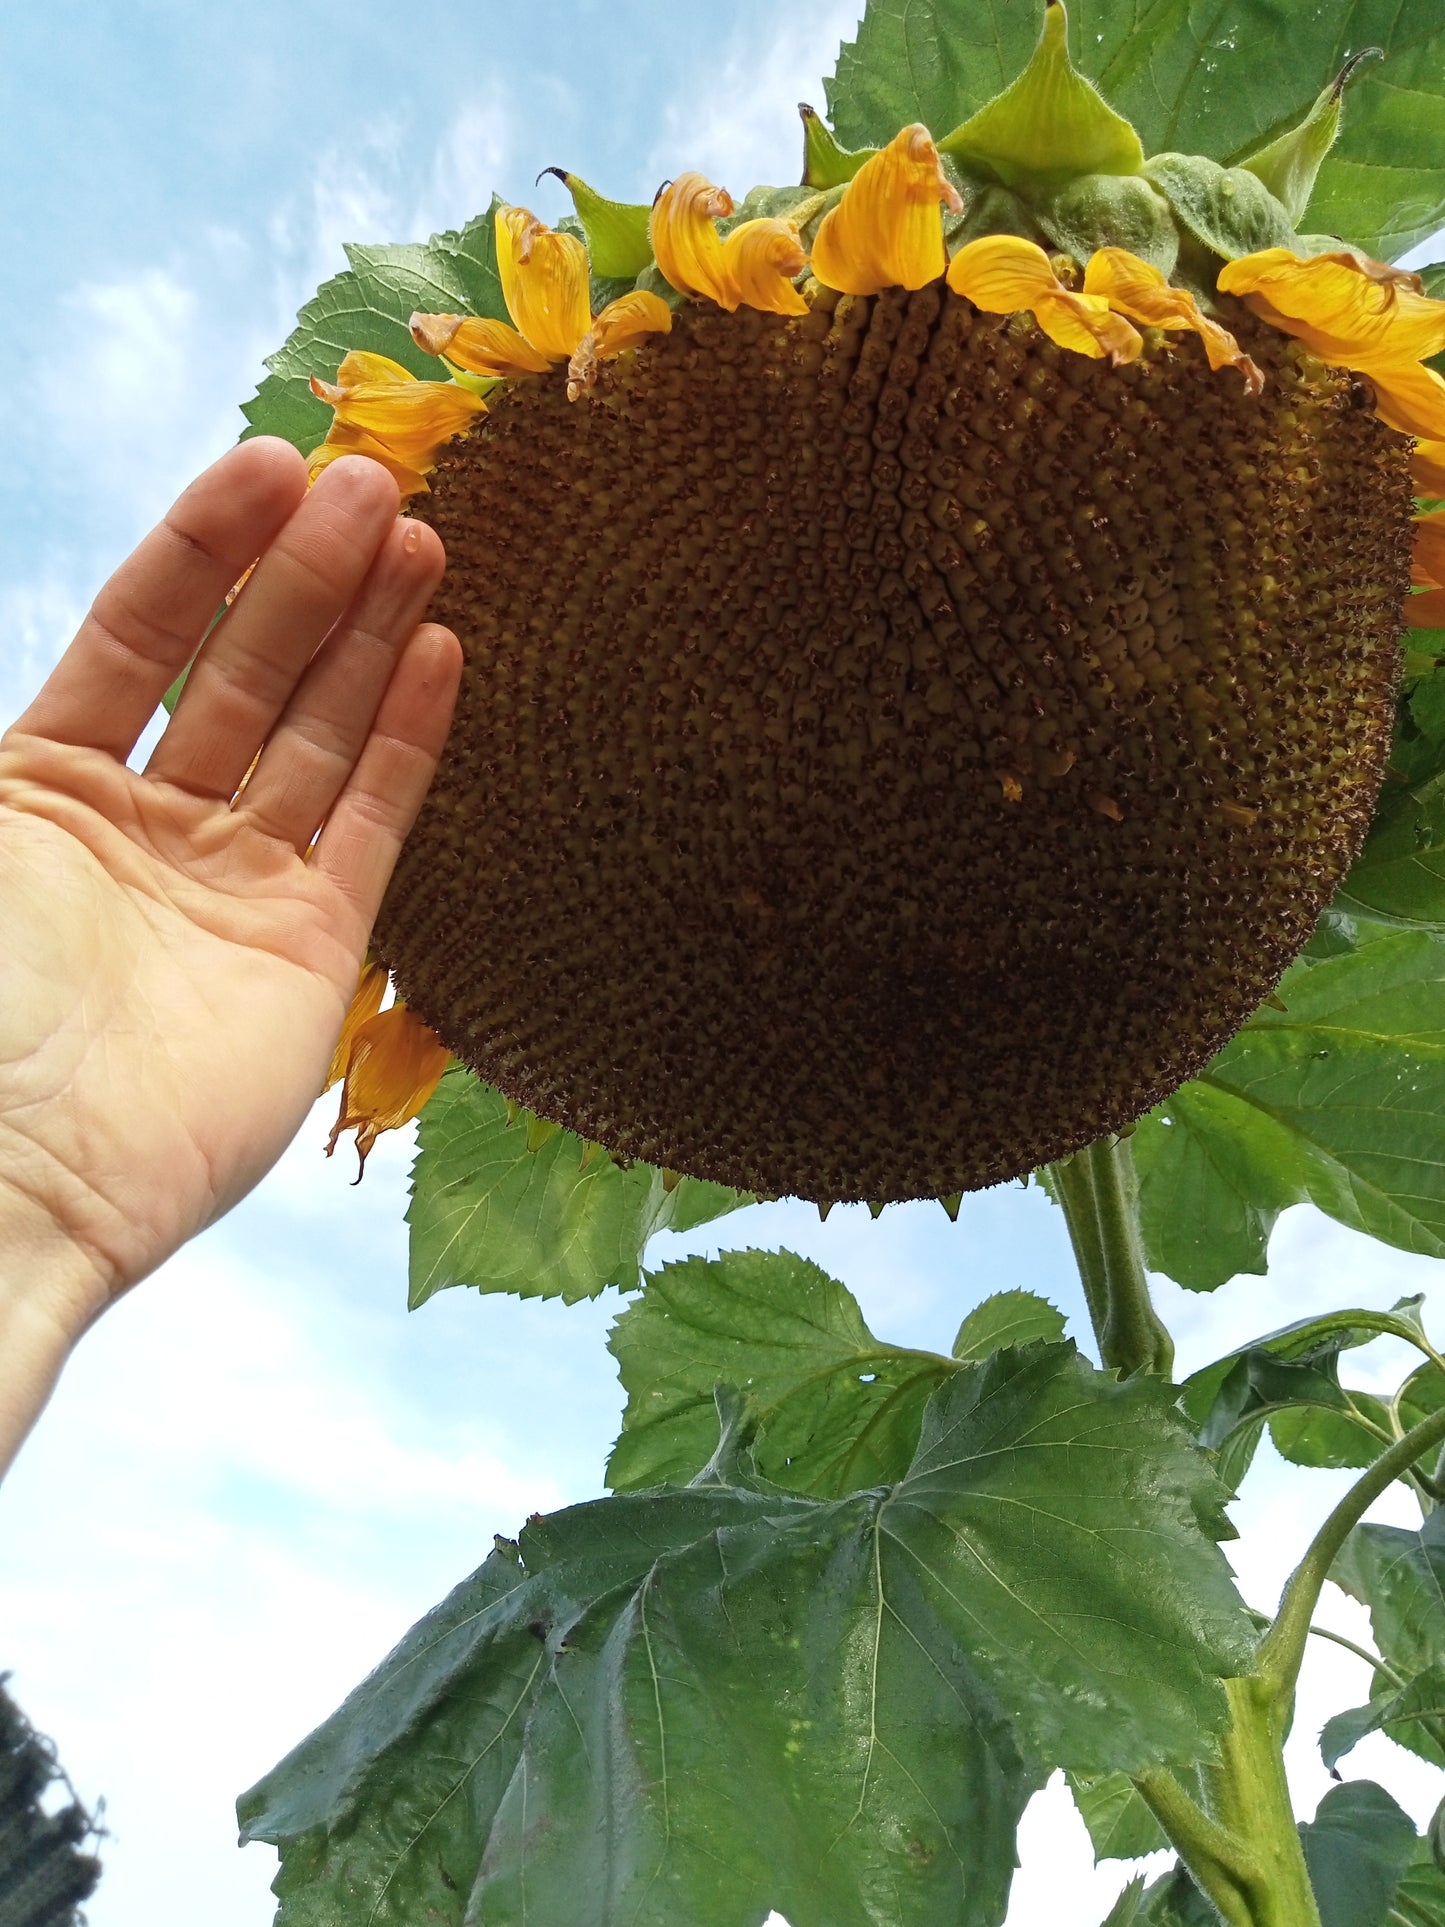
x=545 y=282
x=1004 y=274
x=886 y=231
x=621 y=325
x=1427 y=469
x=478 y=344
x=760 y=260
x=686 y=243
x=365 y=1003
x=1140 y=291
x=1410 y=398
x=1427 y=561
x=1426 y=611
x=396 y=1062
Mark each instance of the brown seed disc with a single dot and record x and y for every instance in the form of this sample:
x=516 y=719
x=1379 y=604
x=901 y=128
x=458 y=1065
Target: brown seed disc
x=894 y=750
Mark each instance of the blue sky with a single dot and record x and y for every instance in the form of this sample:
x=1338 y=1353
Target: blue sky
x=259 y=1469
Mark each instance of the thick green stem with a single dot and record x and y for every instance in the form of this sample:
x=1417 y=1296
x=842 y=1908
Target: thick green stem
x=1283 y=1647
x=1099 y=1194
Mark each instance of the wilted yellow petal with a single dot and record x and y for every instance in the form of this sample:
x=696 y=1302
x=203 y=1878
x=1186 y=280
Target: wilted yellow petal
x=1137 y=289
x=1003 y=274
x=481 y=346
x=544 y=282
x=1343 y=312
x=1410 y=398
x=760 y=259
x=886 y=231
x=361 y=366
x=411 y=419
x=1428 y=554
x=365 y=1003
x=355 y=441
x=396 y=1063
x=1427 y=468
x=1426 y=611
x=621 y=325
x=688 y=248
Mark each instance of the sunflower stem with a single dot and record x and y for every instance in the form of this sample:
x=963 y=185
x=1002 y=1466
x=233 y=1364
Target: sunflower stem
x=1099 y=1194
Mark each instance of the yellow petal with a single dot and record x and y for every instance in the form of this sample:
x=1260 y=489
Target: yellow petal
x=362 y=366
x=544 y=282
x=1427 y=467
x=686 y=243
x=396 y=1063
x=1410 y=398
x=760 y=259
x=411 y=419
x=1428 y=555
x=886 y=231
x=355 y=441
x=621 y=325
x=365 y=1003
x=1342 y=310
x=481 y=346
x=1003 y=274
x=1137 y=289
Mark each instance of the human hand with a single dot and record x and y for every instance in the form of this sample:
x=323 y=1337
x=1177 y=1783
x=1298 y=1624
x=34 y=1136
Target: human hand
x=175 y=965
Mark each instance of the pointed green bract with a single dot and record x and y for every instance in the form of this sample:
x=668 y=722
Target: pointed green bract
x=616 y=231
x=1289 y=166
x=1051 y=124
x=825 y=163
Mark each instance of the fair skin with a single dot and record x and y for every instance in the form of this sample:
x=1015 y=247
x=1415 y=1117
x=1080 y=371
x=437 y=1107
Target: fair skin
x=175 y=964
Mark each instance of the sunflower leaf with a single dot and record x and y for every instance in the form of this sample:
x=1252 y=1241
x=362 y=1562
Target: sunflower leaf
x=1420 y=1704
x=700 y=1703
x=1399 y=1576
x=1335 y=1099
x=1120 y=1826
x=558 y=1220
x=1188 y=85
x=1356 y=1848
x=837 y=1409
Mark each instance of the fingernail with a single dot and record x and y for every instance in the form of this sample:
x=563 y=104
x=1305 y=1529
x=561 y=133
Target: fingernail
x=411 y=538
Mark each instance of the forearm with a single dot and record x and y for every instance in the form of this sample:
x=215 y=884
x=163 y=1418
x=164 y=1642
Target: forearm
x=49 y=1293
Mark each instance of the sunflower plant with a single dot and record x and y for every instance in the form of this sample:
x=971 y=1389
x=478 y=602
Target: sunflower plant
x=952 y=695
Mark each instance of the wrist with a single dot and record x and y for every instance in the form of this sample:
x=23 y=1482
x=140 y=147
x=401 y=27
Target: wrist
x=51 y=1291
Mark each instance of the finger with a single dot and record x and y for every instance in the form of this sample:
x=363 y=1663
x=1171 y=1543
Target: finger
x=147 y=620
x=314 y=748
x=357 y=849
x=301 y=587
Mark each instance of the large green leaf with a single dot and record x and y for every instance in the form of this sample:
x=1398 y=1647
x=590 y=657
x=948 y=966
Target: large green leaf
x=1335 y=1098
x=369 y=307
x=1191 y=78
x=1399 y=1576
x=704 y=1701
x=487 y=1209
x=1356 y=1848
x=838 y=1410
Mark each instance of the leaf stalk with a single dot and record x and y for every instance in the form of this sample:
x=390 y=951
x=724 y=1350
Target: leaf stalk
x=1099 y=1193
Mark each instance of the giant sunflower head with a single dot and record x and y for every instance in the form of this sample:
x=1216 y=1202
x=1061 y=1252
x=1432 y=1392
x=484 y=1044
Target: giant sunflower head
x=931 y=636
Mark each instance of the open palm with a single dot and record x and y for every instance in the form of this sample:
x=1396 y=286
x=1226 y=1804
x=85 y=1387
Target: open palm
x=175 y=958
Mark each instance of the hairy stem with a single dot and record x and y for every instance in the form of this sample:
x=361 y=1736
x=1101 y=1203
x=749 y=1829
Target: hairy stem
x=1282 y=1651
x=1099 y=1194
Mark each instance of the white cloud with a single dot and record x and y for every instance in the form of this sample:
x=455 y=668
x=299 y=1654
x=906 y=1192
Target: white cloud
x=739 y=123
